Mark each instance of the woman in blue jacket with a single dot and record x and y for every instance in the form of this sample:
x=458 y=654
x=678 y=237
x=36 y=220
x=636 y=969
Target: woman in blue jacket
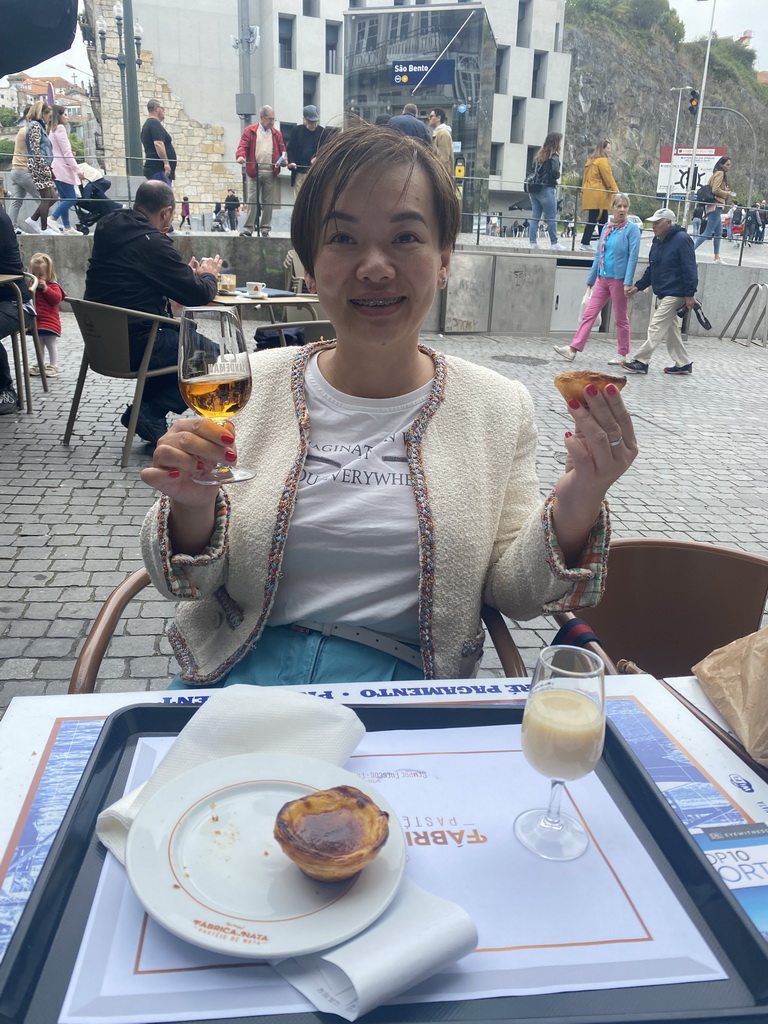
x=611 y=277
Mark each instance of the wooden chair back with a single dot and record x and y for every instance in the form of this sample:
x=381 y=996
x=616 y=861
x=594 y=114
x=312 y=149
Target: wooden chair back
x=107 y=351
x=669 y=603
x=86 y=671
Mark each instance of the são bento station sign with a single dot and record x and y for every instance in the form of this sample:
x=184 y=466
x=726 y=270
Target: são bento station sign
x=427 y=72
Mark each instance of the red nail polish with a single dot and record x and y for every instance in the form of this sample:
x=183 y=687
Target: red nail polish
x=226 y=439
x=574 y=403
x=174 y=473
x=591 y=390
x=568 y=434
x=611 y=389
x=230 y=456
x=200 y=466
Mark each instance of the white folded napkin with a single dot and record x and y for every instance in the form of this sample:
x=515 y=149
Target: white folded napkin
x=416 y=936
x=413 y=939
x=241 y=720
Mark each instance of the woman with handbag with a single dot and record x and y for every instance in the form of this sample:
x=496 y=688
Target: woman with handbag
x=39 y=160
x=546 y=166
x=611 y=277
x=598 y=186
x=715 y=204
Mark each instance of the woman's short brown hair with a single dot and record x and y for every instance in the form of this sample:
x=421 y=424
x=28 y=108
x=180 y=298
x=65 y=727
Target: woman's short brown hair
x=339 y=160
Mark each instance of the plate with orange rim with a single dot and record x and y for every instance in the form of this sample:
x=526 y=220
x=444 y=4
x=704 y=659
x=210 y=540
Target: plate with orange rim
x=204 y=864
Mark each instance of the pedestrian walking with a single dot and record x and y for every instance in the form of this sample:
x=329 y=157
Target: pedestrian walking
x=159 y=154
x=610 y=277
x=698 y=216
x=598 y=187
x=232 y=208
x=672 y=274
x=546 y=167
x=66 y=174
x=39 y=160
x=22 y=183
x=185 y=213
x=718 y=182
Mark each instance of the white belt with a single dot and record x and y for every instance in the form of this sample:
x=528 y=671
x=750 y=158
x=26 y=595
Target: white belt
x=360 y=635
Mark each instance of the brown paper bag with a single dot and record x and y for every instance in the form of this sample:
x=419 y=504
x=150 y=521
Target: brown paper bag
x=735 y=678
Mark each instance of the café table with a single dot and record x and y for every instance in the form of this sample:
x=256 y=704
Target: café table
x=272 y=300
x=701 y=777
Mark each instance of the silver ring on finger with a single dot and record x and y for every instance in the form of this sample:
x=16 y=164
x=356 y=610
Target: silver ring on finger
x=617 y=441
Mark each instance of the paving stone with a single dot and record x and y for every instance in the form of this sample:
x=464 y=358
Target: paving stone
x=72 y=515
x=17 y=668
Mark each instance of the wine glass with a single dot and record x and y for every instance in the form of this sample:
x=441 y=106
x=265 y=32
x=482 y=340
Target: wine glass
x=563 y=734
x=214 y=375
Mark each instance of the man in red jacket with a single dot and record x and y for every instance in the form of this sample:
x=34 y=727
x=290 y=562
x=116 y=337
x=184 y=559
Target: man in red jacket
x=262 y=150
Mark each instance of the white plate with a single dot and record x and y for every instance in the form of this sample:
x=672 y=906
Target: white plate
x=203 y=862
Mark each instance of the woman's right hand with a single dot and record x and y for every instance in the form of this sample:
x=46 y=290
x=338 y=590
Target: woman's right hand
x=188 y=448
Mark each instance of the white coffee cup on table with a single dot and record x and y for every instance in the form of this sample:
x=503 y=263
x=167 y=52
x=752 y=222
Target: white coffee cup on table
x=255 y=288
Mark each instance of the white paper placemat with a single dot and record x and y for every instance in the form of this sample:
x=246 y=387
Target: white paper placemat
x=606 y=920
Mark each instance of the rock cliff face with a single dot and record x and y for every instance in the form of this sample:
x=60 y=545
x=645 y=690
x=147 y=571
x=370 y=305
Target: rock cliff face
x=621 y=92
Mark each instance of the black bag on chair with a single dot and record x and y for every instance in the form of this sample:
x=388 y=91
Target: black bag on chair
x=271 y=339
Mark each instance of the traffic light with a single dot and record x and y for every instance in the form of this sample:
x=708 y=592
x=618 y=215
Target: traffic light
x=693 y=106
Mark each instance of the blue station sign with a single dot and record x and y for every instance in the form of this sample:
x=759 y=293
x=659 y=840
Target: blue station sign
x=412 y=71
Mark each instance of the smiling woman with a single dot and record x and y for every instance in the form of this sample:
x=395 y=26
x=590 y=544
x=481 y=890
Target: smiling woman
x=396 y=488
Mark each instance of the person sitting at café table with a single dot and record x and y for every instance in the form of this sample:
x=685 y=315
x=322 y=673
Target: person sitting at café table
x=135 y=265
x=395 y=487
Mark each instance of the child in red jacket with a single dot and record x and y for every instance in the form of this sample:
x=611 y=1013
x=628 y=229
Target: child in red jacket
x=47 y=298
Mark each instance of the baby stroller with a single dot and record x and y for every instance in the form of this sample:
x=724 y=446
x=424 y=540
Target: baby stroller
x=219 y=220
x=94 y=203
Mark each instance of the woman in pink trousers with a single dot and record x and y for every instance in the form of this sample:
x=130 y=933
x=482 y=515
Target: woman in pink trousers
x=611 y=277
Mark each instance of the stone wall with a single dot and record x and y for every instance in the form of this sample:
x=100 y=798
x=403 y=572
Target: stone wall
x=203 y=174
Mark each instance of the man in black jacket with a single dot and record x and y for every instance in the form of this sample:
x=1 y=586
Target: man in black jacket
x=409 y=124
x=303 y=144
x=135 y=265
x=672 y=274
x=10 y=263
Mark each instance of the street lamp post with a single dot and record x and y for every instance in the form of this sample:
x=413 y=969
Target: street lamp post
x=123 y=13
x=691 y=182
x=679 y=90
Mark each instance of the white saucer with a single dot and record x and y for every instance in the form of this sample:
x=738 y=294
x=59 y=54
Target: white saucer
x=203 y=862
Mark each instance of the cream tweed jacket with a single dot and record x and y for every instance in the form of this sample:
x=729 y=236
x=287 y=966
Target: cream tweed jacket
x=483 y=533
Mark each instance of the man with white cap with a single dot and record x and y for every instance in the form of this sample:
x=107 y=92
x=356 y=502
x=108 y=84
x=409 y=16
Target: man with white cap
x=672 y=274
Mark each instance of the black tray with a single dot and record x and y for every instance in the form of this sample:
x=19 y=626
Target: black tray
x=38 y=963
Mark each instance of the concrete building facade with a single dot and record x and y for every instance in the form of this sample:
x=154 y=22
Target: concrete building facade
x=190 y=64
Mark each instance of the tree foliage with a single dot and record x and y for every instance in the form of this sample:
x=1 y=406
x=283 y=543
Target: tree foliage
x=8 y=117
x=77 y=146
x=645 y=15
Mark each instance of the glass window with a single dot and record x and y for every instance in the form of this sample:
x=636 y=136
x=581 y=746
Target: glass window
x=332 y=61
x=285 y=40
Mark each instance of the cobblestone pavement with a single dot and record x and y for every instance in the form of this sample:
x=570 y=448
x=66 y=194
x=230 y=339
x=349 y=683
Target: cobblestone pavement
x=70 y=517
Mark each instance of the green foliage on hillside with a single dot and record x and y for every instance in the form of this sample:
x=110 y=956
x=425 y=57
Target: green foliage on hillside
x=626 y=17
x=729 y=61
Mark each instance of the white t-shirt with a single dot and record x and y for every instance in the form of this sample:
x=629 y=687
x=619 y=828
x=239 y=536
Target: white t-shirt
x=352 y=551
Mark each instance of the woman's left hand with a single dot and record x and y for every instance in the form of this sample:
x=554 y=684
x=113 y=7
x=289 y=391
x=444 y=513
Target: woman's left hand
x=600 y=449
x=602 y=446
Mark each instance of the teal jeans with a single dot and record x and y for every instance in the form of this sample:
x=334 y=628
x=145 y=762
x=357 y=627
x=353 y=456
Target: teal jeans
x=285 y=657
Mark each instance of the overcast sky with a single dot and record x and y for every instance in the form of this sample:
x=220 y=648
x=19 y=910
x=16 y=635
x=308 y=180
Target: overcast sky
x=732 y=17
